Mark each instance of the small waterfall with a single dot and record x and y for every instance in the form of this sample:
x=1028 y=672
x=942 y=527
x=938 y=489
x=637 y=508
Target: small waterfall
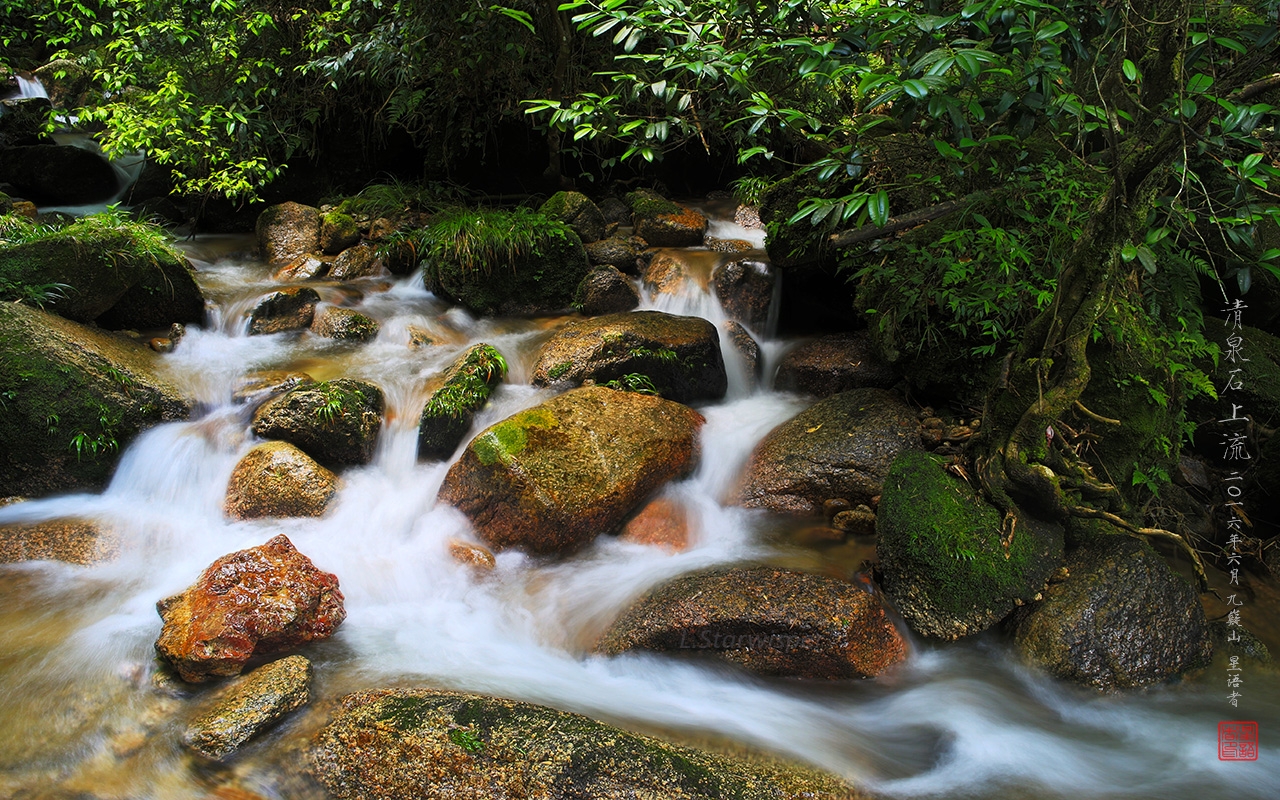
x=30 y=86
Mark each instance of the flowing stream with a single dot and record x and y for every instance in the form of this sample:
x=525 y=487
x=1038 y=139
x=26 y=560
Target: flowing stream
x=78 y=710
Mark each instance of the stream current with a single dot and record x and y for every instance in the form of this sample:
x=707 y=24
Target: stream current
x=78 y=711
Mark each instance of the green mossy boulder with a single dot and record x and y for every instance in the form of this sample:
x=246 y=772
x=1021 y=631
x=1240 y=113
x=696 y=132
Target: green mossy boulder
x=72 y=399
x=1122 y=619
x=338 y=231
x=449 y=411
x=577 y=211
x=680 y=356
x=503 y=262
x=335 y=422
x=663 y=223
x=552 y=478
x=390 y=744
x=941 y=553
x=838 y=449
x=105 y=263
x=770 y=621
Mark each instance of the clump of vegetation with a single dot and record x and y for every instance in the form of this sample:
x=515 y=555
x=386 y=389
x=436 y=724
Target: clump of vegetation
x=336 y=401
x=448 y=414
x=632 y=382
x=477 y=240
x=647 y=203
x=398 y=197
x=749 y=189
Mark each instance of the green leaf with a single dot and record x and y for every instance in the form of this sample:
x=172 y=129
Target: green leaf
x=1199 y=83
x=946 y=150
x=1051 y=30
x=1250 y=161
x=1128 y=253
x=878 y=208
x=1230 y=44
x=1130 y=70
x=915 y=88
x=1147 y=258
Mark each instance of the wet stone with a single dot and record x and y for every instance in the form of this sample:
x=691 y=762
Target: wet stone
x=345 y=324
x=75 y=541
x=276 y=479
x=286 y=310
x=249 y=706
x=472 y=555
x=259 y=386
x=662 y=523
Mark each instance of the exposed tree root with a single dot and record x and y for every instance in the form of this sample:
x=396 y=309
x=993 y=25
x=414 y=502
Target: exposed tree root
x=1106 y=516
x=1095 y=417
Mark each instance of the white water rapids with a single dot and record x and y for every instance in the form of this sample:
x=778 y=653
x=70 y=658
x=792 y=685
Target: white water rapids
x=960 y=721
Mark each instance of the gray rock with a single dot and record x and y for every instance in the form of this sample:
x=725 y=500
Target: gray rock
x=287 y=231
x=249 y=706
x=285 y=310
x=334 y=422
x=344 y=323
x=605 y=290
x=745 y=289
x=833 y=364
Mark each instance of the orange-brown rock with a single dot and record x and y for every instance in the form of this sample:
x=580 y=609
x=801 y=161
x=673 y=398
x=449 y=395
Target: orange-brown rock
x=471 y=555
x=75 y=541
x=662 y=523
x=553 y=477
x=262 y=600
x=276 y=479
x=771 y=621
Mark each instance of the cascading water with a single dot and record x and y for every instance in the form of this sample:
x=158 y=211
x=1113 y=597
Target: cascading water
x=960 y=721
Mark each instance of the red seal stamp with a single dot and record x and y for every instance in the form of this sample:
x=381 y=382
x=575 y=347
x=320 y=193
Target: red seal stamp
x=1237 y=741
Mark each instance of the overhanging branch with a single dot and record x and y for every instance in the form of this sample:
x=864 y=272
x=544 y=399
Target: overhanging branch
x=902 y=223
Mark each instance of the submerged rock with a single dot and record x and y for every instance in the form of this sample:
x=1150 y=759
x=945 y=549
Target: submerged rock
x=285 y=310
x=679 y=355
x=605 y=291
x=276 y=479
x=75 y=541
x=663 y=223
x=334 y=422
x=258 y=601
x=771 y=621
x=833 y=364
x=449 y=411
x=472 y=555
x=745 y=289
x=553 y=477
x=841 y=447
x=335 y=322
x=578 y=212
x=74 y=398
x=1122 y=619
x=941 y=553
x=287 y=231
x=249 y=706
x=433 y=745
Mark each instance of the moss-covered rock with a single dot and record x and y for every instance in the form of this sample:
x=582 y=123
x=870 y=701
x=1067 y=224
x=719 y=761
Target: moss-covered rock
x=338 y=231
x=796 y=246
x=390 y=744
x=503 y=262
x=621 y=252
x=679 y=355
x=577 y=211
x=72 y=398
x=605 y=290
x=334 y=422
x=941 y=553
x=66 y=81
x=553 y=477
x=104 y=263
x=838 y=449
x=771 y=621
x=663 y=223
x=1121 y=619
x=447 y=416
x=276 y=479
x=347 y=324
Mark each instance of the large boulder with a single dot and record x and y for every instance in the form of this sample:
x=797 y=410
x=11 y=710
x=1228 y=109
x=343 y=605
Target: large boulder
x=838 y=449
x=1122 y=619
x=346 y=324
x=833 y=364
x=58 y=174
x=663 y=223
x=249 y=706
x=285 y=310
x=577 y=211
x=605 y=290
x=287 y=231
x=123 y=267
x=75 y=541
x=72 y=398
x=276 y=479
x=258 y=601
x=335 y=422
x=389 y=744
x=449 y=411
x=503 y=262
x=553 y=477
x=942 y=555
x=680 y=355
x=621 y=252
x=745 y=288
x=771 y=621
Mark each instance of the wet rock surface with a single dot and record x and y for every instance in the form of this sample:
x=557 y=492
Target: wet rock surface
x=942 y=556
x=285 y=310
x=620 y=252
x=744 y=344
x=434 y=745
x=166 y=293
x=841 y=447
x=249 y=706
x=605 y=290
x=259 y=386
x=1122 y=619
x=553 y=477
x=833 y=364
x=771 y=621
x=447 y=416
x=663 y=223
x=360 y=261
x=346 y=324
x=577 y=211
x=287 y=231
x=276 y=479
x=745 y=288
x=253 y=602
x=661 y=523
x=75 y=541
x=679 y=355
x=335 y=422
